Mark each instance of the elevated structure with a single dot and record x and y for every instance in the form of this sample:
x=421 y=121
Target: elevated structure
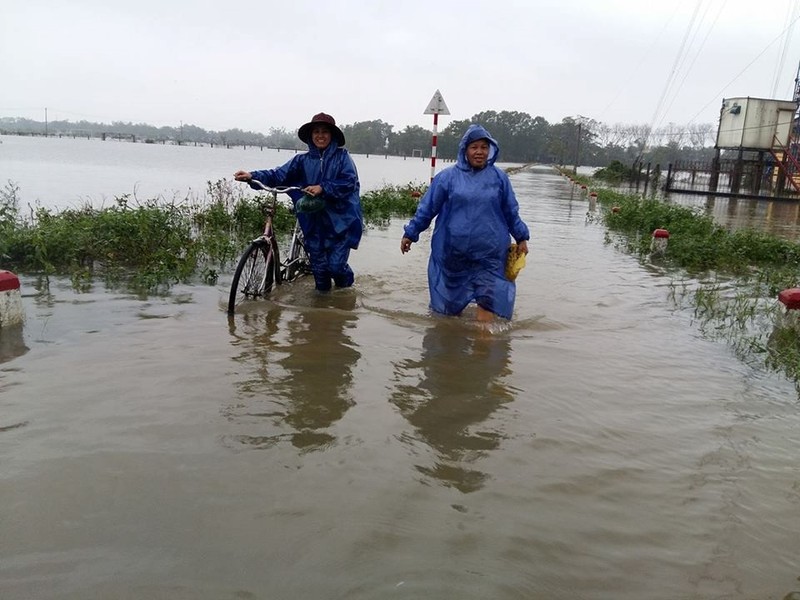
x=760 y=131
x=757 y=152
x=757 y=124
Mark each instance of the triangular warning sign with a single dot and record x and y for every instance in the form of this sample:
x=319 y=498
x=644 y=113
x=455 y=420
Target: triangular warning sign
x=437 y=106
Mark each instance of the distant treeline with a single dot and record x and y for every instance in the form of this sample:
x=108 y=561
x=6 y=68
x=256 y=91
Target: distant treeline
x=522 y=138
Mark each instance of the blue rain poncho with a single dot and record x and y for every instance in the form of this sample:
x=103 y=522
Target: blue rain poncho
x=329 y=233
x=476 y=215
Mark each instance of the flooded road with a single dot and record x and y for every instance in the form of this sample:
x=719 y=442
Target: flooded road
x=353 y=446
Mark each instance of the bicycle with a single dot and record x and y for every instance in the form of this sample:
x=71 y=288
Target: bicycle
x=260 y=269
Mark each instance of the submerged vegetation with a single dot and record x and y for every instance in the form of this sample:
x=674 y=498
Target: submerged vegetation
x=149 y=245
x=729 y=279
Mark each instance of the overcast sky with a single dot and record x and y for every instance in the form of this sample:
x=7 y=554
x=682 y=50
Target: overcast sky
x=274 y=63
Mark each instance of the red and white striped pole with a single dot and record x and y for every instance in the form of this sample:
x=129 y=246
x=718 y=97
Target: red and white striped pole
x=436 y=107
x=433 y=145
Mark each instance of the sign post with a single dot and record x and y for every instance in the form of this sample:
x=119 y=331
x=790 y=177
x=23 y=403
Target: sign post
x=436 y=107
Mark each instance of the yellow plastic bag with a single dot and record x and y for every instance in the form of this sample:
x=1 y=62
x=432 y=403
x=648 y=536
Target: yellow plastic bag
x=515 y=262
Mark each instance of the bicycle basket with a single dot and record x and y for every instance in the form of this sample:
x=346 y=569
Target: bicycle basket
x=309 y=204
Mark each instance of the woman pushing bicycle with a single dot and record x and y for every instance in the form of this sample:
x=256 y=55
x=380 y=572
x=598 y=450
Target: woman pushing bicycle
x=326 y=173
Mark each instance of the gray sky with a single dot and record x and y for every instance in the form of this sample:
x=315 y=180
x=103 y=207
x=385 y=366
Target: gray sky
x=274 y=63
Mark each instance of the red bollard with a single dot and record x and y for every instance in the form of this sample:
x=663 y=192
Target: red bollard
x=658 y=245
x=790 y=298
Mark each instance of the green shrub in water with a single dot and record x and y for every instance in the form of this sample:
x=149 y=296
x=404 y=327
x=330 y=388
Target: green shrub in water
x=151 y=244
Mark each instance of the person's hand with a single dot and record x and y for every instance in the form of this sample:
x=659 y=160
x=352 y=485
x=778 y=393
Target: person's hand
x=242 y=176
x=313 y=190
x=405 y=245
x=523 y=246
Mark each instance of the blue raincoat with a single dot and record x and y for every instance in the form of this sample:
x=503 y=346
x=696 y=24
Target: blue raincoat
x=331 y=233
x=476 y=215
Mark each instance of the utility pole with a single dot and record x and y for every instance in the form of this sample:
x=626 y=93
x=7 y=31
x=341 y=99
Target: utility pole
x=577 y=149
x=45 y=121
x=796 y=100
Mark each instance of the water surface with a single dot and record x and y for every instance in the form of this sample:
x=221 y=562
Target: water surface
x=353 y=446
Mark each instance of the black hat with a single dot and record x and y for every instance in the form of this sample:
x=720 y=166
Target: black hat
x=304 y=133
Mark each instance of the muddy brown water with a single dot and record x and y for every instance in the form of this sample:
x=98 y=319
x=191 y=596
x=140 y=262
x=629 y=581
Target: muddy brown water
x=353 y=446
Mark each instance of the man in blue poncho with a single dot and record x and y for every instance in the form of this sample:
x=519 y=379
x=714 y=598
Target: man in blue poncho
x=476 y=215
x=326 y=172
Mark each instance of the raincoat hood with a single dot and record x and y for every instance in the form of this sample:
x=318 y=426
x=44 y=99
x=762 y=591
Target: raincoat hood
x=476 y=132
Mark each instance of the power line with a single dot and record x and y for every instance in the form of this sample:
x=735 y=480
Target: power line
x=750 y=64
x=696 y=56
x=644 y=57
x=671 y=77
x=791 y=11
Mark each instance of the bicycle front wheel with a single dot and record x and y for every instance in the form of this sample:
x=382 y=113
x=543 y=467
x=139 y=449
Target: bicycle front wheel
x=255 y=274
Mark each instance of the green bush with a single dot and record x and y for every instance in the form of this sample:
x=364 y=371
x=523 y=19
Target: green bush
x=152 y=244
x=614 y=173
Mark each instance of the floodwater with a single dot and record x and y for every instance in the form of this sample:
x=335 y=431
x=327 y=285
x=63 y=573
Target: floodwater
x=59 y=173
x=352 y=446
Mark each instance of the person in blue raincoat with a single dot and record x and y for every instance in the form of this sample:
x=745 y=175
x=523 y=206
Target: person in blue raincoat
x=476 y=214
x=326 y=172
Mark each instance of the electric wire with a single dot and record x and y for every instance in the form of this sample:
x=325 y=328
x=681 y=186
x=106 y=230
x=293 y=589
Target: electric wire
x=670 y=78
x=790 y=10
x=750 y=64
x=644 y=57
x=673 y=71
x=696 y=56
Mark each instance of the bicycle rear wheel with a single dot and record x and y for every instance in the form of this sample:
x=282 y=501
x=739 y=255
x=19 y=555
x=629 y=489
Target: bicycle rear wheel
x=256 y=273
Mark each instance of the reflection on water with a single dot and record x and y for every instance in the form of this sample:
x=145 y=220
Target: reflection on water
x=299 y=363
x=448 y=396
x=12 y=343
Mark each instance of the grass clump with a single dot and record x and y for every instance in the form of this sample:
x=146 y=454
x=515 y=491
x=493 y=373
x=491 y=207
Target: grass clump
x=148 y=245
x=378 y=206
x=696 y=242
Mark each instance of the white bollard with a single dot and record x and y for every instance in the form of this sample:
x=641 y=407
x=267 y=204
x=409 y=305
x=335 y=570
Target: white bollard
x=10 y=299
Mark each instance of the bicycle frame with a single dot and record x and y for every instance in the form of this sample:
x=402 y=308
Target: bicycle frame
x=260 y=267
x=296 y=261
x=270 y=209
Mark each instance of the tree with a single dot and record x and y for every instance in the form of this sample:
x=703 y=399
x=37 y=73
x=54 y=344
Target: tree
x=413 y=137
x=522 y=138
x=281 y=138
x=447 y=143
x=367 y=137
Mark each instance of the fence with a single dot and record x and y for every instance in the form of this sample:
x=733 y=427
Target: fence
x=759 y=177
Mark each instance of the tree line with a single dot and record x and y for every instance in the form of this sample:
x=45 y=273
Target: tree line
x=522 y=138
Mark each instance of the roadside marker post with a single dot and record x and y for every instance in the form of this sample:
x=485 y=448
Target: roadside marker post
x=435 y=107
x=10 y=299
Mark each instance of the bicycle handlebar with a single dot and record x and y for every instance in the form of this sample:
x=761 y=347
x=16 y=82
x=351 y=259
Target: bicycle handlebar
x=274 y=190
